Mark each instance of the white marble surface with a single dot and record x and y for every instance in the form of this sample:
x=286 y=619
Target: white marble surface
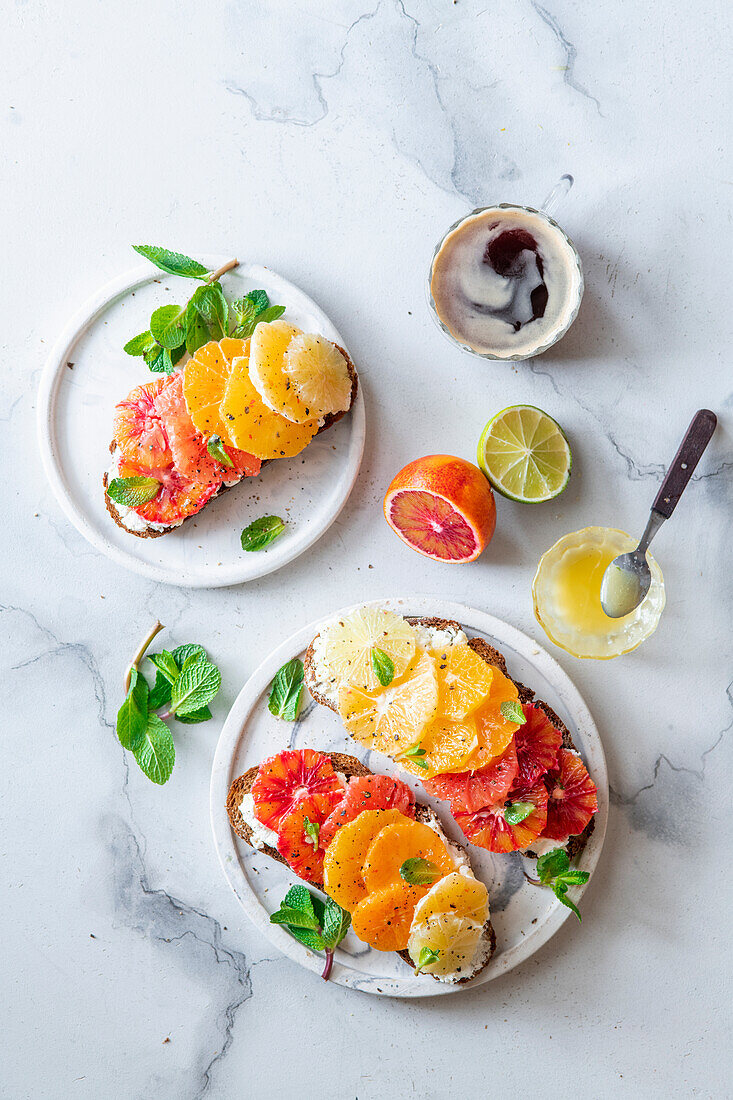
x=339 y=141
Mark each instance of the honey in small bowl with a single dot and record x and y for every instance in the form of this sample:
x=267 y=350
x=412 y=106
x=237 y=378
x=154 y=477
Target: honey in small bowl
x=566 y=592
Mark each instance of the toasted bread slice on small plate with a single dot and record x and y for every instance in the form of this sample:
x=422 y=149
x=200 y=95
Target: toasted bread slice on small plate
x=87 y=373
x=524 y=916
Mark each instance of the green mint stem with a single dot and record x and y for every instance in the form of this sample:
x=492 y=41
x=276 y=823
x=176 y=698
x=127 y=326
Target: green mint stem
x=212 y=278
x=156 y=629
x=534 y=881
x=329 y=963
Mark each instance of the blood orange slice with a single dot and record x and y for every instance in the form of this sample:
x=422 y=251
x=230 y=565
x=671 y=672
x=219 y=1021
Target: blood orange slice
x=443 y=507
x=368 y=792
x=468 y=792
x=538 y=742
x=573 y=797
x=299 y=846
x=176 y=499
x=138 y=429
x=189 y=446
x=286 y=779
x=489 y=828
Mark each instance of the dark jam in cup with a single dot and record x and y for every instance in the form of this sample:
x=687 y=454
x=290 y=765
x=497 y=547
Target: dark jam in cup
x=514 y=255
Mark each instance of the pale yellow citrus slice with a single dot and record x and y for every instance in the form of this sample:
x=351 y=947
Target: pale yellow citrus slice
x=347 y=646
x=394 y=719
x=318 y=375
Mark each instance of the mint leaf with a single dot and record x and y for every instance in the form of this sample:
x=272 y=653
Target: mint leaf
x=575 y=878
x=132 y=716
x=517 y=811
x=250 y=310
x=182 y=652
x=310 y=939
x=174 y=263
x=215 y=447
x=295 y=918
x=419 y=872
x=168 y=326
x=286 y=690
x=161 y=693
x=211 y=305
x=560 y=890
x=427 y=956
x=261 y=532
x=336 y=923
x=383 y=666
x=159 y=360
x=512 y=711
x=312 y=829
x=197 y=331
x=415 y=754
x=177 y=353
x=196 y=686
x=299 y=897
x=155 y=753
x=139 y=345
x=270 y=314
x=552 y=864
x=201 y=715
x=132 y=492
x=166 y=664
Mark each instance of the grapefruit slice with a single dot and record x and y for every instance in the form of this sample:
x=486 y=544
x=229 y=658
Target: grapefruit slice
x=176 y=499
x=383 y=918
x=572 y=797
x=468 y=791
x=252 y=426
x=538 y=743
x=138 y=429
x=393 y=720
x=399 y=842
x=464 y=681
x=347 y=646
x=318 y=375
x=489 y=827
x=346 y=853
x=285 y=780
x=295 y=844
x=443 y=507
x=367 y=792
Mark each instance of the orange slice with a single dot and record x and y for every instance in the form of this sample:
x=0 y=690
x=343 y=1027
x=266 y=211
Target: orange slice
x=204 y=382
x=255 y=428
x=383 y=919
x=446 y=747
x=464 y=681
x=346 y=853
x=398 y=842
x=393 y=720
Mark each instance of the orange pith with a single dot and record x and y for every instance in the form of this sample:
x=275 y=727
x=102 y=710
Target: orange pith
x=345 y=855
x=383 y=919
x=254 y=427
x=398 y=842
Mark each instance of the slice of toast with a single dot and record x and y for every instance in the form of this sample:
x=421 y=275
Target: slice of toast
x=348 y=766
x=491 y=656
x=150 y=532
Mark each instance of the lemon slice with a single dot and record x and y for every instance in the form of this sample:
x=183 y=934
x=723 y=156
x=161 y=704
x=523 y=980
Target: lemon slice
x=319 y=376
x=347 y=645
x=454 y=939
x=393 y=720
x=525 y=455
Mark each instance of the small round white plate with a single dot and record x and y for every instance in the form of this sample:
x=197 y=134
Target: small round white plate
x=524 y=916
x=85 y=376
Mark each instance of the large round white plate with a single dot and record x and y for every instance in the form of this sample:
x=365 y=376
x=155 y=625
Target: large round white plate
x=524 y=916
x=85 y=376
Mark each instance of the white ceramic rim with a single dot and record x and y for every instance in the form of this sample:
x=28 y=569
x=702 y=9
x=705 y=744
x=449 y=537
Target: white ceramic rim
x=486 y=354
x=51 y=377
x=234 y=727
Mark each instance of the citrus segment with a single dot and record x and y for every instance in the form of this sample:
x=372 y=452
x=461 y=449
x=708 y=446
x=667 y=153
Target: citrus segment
x=572 y=797
x=494 y=730
x=525 y=455
x=268 y=345
x=291 y=776
x=138 y=429
x=252 y=426
x=346 y=853
x=204 y=381
x=319 y=378
x=383 y=919
x=464 y=681
x=393 y=720
x=399 y=842
x=445 y=747
x=489 y=828
x=461 y=894
x=296 y=844
x=347 y=646
x=537 y=743
x=367 y=792
x=176 y=500
x=454 y=939
x=468 y=791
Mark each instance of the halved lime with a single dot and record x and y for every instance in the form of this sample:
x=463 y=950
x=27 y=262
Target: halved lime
x=525 y=455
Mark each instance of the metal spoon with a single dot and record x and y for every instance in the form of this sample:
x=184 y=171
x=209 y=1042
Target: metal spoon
x=626 y=580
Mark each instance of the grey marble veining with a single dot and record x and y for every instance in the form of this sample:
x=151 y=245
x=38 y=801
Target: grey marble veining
x=335 y=143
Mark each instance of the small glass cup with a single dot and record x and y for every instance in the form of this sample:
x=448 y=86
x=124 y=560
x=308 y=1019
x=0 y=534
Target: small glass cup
x=622 y=635
x=575 y=292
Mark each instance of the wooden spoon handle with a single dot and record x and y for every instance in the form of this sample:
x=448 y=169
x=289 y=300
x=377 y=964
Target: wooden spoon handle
x=696 y=439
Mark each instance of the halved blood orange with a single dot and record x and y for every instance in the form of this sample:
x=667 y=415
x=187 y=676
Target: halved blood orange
x=489 y=828
x=345 y=855
x=468 y=792
x=383 y=918
x=138 y=429
x=296 y=844
x=368 y=792
x=395 y=844
x=176 y=499
x=285 y=780
x=572 y=797
x=443 y=507
x=538 y=743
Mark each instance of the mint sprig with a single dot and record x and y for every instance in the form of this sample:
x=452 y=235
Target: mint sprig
x=319 y=925
x=417 y=871
x=554 y=870
x=261 y=532
x=215 y=447
x=132 y=492
x=416 y=754
x=427 y=956
x=512 y=711
x=207 y=315
x=514 y=812
x=286 y=691
x=185 y=683
x=383 y=666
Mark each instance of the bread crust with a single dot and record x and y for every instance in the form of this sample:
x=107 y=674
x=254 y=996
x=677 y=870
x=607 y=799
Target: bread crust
x=153 y=533
x=348 y=765
x=491 y=656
